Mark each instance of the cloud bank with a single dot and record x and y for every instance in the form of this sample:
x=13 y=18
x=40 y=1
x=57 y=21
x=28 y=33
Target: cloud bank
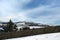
x=41 y=11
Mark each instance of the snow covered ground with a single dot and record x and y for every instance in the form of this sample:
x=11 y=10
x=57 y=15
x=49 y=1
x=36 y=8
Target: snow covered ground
x=51 y=36
x=31 y=27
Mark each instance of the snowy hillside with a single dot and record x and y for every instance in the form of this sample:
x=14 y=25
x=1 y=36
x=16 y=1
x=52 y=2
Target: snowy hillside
x=52 y=36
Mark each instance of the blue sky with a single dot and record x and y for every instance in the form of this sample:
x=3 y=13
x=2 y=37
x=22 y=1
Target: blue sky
x=41 y=11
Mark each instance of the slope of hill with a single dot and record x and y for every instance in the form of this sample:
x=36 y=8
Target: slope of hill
x=51 y=36
x=29 y=32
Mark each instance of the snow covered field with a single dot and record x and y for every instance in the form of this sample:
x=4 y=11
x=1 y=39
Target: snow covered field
x=31 y=27
x=51 y=36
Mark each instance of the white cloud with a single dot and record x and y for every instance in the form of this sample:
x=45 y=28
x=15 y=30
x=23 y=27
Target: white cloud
x=48 y=19
x=13 y=9
x=24 y=15
x=8 y=8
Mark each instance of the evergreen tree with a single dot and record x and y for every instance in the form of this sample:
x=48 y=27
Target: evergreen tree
x=10 y=26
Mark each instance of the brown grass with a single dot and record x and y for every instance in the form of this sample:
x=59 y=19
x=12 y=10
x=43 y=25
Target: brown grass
x=6 y=35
